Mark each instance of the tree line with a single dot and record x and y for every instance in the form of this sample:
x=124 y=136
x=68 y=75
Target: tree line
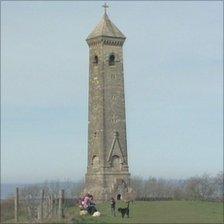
x=204 y=187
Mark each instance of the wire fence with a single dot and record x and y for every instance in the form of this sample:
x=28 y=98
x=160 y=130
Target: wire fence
x=35 y=207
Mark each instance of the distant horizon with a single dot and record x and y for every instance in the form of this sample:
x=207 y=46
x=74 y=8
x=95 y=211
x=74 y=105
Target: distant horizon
x=132 y=176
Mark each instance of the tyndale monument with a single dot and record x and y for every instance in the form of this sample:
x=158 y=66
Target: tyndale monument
x=107 y=171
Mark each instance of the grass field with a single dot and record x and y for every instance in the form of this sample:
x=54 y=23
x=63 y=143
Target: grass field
x=149 y=212
x=159 y=212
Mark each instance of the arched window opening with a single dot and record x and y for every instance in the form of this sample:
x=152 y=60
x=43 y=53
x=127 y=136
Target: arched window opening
x=95 y=161
x=119 y=197
x=95 y=60
x=116 y=162
x=111 y=60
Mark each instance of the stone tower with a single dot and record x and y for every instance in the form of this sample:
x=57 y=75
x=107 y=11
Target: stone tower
x=107 y=172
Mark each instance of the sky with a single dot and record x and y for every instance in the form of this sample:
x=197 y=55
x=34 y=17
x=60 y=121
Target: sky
x=173 y=87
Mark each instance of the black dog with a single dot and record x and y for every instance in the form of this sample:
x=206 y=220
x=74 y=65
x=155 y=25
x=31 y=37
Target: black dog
x=124 y=211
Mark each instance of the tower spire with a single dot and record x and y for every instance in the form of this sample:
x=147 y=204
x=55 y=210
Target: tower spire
x=105 y=6
x=105 y=27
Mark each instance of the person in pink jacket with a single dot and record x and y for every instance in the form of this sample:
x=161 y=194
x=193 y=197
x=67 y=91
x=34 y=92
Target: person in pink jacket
x=86 y=201
x=88 y=204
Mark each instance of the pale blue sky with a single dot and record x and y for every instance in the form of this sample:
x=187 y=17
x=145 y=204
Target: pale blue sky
x=173 y=86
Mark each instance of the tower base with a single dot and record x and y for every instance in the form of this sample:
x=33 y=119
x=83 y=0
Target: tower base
x=105 y=186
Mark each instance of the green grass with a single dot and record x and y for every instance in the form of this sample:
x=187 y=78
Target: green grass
x=158 y=212
x=149 y=212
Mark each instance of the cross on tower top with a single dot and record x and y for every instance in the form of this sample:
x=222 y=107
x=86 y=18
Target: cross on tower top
x=105 y=6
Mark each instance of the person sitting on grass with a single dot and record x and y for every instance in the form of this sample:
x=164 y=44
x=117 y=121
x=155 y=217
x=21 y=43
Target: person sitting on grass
x=88 y=204
x=92 y=206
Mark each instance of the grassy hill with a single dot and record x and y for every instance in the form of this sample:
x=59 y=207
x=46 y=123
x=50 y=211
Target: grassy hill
x=157 y=212
x=150 y=212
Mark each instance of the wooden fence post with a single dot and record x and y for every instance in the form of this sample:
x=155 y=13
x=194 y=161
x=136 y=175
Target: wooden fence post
x=16 y=204
x=40 y=214
x=50 y=206
x=61 y=204
x=53 y=212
